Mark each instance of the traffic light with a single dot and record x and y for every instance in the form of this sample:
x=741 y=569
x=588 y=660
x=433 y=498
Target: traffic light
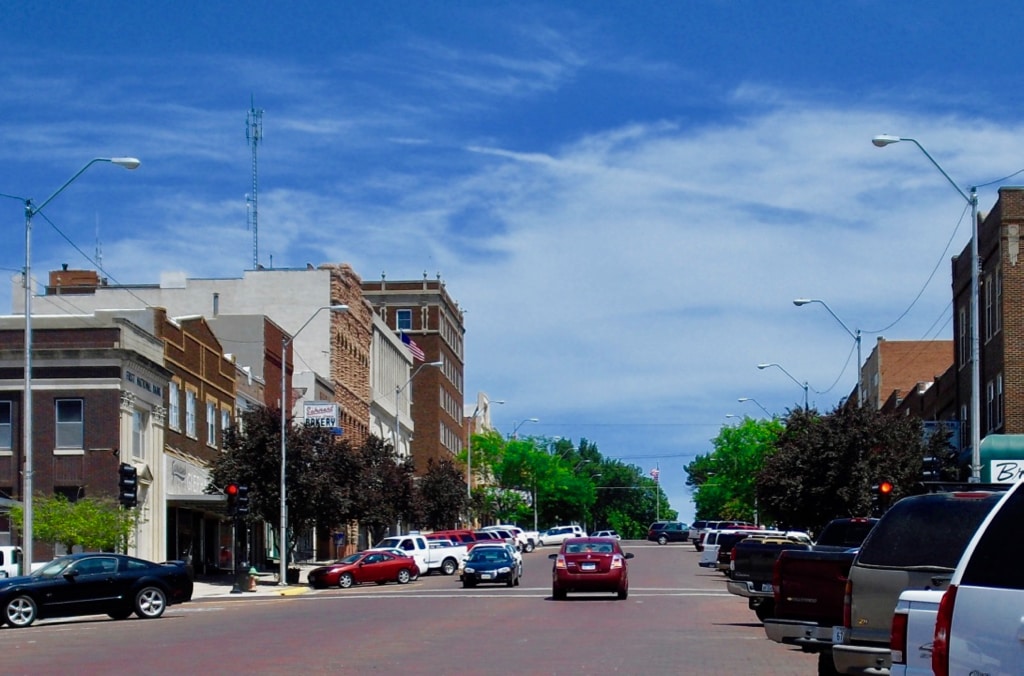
x=881 y=496
x=231 y=491
x=242 y=506
x=931 y=469
x=127 y=485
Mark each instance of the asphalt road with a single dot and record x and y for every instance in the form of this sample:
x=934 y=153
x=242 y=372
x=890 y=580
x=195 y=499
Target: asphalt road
x=678 y=619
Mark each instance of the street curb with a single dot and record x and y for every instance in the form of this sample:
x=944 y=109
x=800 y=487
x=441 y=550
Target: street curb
x=293 y=591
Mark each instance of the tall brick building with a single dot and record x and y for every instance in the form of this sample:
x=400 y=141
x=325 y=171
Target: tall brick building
x=428 y=316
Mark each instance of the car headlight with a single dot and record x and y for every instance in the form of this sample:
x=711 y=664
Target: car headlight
x=505 y=569
x=469 y=570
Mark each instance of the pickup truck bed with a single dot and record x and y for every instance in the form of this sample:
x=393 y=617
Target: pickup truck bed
x=753 y=568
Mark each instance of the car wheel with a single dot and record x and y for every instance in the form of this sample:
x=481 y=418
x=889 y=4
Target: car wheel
x=623 y=594
x=120 y=614
x=150 y=603
x=662 y=540
x=345 y=581
x=21 y=611
x=529 y=547
x=826 y=667
x=558 y=594
x=404 y=576
x=449 y=566
x=468 y=583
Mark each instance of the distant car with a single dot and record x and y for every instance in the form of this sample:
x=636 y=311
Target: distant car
x=516 y=555
x=664 y=532
x=590 y=565
x=369 y=566
x=605 y=534
x=91 y=584
x=488 y=563
x=559 y=534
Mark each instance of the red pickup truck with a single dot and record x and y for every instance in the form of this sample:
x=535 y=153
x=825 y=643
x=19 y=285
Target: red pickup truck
x=809 y=588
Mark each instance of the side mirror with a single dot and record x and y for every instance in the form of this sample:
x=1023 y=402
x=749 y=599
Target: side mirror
x=629 y=555
x=552 y=556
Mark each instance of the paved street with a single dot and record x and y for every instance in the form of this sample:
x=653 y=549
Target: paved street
x=678 y=619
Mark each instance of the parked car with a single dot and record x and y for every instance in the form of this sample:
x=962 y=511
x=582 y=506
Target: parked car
x=605 y=534
x=664 y=532
x=978 y=626
x=488 y=563
x=559 y=534
x=694 y=534
x=915 y=545
x=367 y=566
x=93 y=584
x=590 y=565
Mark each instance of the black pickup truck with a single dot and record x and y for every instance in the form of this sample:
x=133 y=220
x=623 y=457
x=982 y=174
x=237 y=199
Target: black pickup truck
x=754 y=559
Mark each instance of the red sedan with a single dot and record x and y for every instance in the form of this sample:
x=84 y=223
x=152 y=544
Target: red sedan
x=590 y=565
x=368 y=566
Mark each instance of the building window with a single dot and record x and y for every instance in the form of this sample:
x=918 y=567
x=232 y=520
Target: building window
x=174 y=406
x=70 y=423
x=989 y=318
x=999 y=299
x=990 y=408
x=962 y=341
x=211 y=423
x=999 y=401
x=404 y=319
x=70 y=493
x=6 y=426
x=225 y=420
x=139 y=422
x=190 y=413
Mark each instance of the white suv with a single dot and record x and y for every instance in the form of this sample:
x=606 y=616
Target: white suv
x=978 y=628
x=559 y=534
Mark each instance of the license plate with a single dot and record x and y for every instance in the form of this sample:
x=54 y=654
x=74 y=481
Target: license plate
x=485 y=576
x=767 y=588
x=839 y=635
x=588 y=566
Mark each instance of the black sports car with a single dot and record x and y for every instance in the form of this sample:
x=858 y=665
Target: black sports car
x=94 y=584
x=489 y=564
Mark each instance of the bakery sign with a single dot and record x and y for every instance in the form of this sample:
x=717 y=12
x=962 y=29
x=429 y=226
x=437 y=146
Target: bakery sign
x=321 y=414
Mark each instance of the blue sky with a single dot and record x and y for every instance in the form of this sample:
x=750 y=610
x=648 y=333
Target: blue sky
x=625 y=198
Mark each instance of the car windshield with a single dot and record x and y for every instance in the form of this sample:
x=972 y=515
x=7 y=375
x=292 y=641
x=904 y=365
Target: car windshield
x=54 y=568
x=351 y=559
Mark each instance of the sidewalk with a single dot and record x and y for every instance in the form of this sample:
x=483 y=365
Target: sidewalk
x=224 y=585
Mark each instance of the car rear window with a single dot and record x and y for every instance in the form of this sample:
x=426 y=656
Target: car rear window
x=929 y=531
x=996 y=559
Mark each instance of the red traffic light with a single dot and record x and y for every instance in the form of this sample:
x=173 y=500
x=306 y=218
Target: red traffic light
x=885 y=488
x=231 y=490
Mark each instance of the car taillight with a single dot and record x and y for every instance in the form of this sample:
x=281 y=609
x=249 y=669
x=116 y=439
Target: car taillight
x=560 y=562
x=847 y=610
x=777 y=581
x=943 y=626
x=898 y=638
x=616 y=561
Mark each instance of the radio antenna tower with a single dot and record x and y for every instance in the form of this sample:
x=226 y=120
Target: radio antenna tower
x=254 y=134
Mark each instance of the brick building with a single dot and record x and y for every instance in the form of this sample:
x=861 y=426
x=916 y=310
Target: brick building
x=427 y=315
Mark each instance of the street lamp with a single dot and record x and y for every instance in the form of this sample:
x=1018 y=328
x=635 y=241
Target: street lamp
x=855 y=335
x=398 y=391
x=30 y=211
x=803 y=384
x=519 y=424
x=469 y=443
x=881 y=141
x=285 y=405
x=767 y=412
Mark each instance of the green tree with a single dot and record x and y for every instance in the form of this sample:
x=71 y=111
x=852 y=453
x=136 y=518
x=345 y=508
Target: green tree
x=320 y=478
x=824 y=465
x=441 y=495
x=94 y=524
x=726 y=478
x=386 y=495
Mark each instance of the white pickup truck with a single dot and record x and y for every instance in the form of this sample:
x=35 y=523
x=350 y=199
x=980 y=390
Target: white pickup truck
x=441 y=555
x=10 y=561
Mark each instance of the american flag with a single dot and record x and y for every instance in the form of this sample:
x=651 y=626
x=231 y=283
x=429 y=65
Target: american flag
x=417 y=353
x=654 y=473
